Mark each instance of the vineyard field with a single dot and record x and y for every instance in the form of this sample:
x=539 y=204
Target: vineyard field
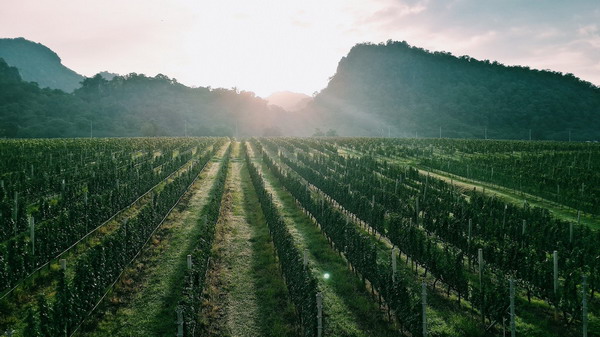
x=307 y=237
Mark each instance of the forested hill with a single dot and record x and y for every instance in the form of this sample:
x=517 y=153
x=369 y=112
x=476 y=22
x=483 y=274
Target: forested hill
x=37 y=63
x=404 y=90
x=378 y=90
x=131 y=105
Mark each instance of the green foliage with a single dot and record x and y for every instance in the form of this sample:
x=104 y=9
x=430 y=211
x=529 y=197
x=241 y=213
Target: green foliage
x=409 y=89
x=302 y=285
x=32 y=328
x=105 y=176
x=358 y=248
x=562 y=172
x=45 y=315
x=435 y=234
x=191 y=298
x=130 y=105
x=100 y=266
x=329 y=133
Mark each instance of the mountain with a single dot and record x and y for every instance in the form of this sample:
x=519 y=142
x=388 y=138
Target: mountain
x=378 y=90
x=37 y=63
x=290 y=101
x=400 y=90
x=131 y=105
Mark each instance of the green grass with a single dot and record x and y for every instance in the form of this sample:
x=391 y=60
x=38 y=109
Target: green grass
x=276 y=313
x=13 y=308
x=349 y=308
x=535 y=318
x=231 y=305
x=143 y=303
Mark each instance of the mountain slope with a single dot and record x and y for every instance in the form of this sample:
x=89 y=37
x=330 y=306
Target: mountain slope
x=37 y=63
x=27 y=110
x=402 y=90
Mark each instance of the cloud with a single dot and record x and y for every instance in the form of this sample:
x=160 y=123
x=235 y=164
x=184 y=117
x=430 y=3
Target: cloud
x=274 y=45
x=588 y=30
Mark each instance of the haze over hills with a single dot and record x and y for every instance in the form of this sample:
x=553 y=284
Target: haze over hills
x=290 y=101
x=131 y=105
x=404 y=90
x=378 y=90
x=37 y=63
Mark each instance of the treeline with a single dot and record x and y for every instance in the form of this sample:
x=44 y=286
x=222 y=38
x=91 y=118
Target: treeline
x=405 y=90
x=130 y=106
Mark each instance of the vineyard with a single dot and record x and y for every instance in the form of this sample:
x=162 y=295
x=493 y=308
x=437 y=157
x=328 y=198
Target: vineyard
x=299 y=237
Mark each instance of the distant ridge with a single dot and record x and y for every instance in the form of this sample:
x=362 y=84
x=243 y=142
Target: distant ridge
x=37 y=63
x=290 y=101
x=390 y=89
x=399 y=90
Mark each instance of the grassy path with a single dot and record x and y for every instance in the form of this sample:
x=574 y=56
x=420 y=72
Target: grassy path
x=143 y=302
x=245 y=296
x=349 y=309
x=276 y=312
x=232 y=307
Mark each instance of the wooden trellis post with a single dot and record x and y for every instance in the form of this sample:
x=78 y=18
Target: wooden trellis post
x=394 y=265
x=512 y=308
x=179 y=322
x=417 y=209
x=319 y=314
x=470 y=230
x=424 y=307
x=555 y=260
x=305 y=258
x=32 y=234
x=584 y=308
x=480 y=262
x=15 y=212
x=570 y=232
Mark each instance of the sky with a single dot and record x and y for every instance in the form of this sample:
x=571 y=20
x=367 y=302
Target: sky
x=266 y=46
